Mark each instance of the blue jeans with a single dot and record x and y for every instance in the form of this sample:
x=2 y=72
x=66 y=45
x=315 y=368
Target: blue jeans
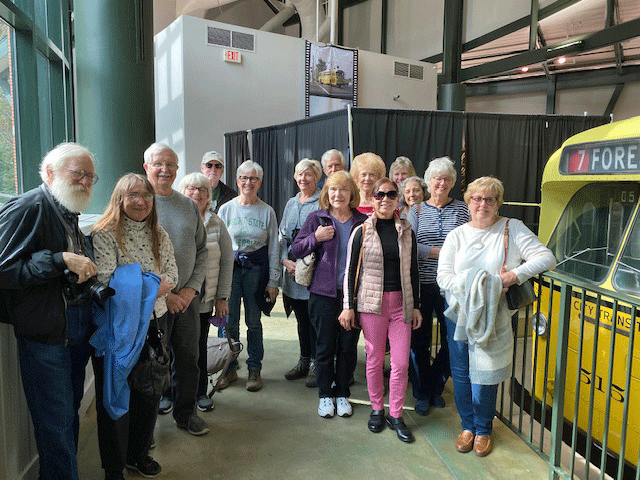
x=53 y=382
x=476 y=403
x=245 y=287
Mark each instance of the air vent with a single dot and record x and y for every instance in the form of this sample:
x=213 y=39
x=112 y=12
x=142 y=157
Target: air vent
x=406 y=70
x=416 y=71
x=401 y=69
x=243 y=41
x=218 y=36
x=229 y=38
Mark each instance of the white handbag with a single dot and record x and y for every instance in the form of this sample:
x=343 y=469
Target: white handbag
x=304 y=269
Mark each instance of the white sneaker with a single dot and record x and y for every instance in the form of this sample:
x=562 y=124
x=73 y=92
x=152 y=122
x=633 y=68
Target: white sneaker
x=343 y=407
x=326 y=408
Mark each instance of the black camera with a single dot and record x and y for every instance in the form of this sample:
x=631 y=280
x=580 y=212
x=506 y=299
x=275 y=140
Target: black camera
x=83 y=293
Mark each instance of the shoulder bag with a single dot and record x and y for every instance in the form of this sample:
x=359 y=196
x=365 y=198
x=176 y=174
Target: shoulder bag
x=517 y=296
x=305 y=265
x=151 y=375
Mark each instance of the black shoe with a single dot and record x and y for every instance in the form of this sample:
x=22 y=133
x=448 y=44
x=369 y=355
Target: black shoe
x=401 y=429
x=146 y=467
x=376 y=421
x=300 y=370
x=108 y=475
x=312 y=376
x=438 y=401
x=422 y=407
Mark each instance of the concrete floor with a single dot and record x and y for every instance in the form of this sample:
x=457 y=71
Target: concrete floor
x=276 y=433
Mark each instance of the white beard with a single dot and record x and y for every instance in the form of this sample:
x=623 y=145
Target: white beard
x=74 y=198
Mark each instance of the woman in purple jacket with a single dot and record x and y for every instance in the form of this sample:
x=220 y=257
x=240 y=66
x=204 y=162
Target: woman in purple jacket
x=326 y=232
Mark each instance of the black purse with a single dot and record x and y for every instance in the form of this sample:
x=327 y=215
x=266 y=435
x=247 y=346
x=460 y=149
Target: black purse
x=152 y=374
x=517 y=296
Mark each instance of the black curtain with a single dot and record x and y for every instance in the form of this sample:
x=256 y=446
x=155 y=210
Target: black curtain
x=515 y=149
x=277 y=149
x=236 y=147
x=419 y=135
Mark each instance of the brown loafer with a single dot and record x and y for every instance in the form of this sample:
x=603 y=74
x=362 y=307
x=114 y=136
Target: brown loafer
x=482 y=445
x=464 y=442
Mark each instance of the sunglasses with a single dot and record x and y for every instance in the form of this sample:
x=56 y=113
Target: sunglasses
x=391 y=195
x=219 y=166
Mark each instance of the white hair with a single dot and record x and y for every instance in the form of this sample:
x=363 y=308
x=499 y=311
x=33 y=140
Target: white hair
x=439 y=166
x=195 y=179
x=156 y=148
x=331 y=153
x=306 y=163
x=247 y=166
x=59 y=156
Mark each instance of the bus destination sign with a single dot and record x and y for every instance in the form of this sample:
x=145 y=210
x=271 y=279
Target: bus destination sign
x=602 y=158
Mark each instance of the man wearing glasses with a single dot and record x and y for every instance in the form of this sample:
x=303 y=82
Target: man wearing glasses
x=39 y=241
x=179 y=216
x=212 y=166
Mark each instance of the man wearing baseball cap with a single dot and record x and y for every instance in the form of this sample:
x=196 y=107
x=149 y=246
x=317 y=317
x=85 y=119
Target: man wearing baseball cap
x=212 y=166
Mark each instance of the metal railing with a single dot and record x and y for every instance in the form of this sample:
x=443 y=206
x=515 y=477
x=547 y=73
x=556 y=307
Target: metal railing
x=574 y=392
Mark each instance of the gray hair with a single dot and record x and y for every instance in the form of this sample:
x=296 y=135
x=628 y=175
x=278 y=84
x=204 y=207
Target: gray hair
x=195 y=179
x=438 y=166
x=306 y=163
x=247 y=166
x=59 y=156
x=330 y=153
x=402 y=162
x=156 y=148
x=419 y=181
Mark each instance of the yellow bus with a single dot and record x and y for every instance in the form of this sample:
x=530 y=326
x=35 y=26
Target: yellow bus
x=590 y=219
x=333 y=77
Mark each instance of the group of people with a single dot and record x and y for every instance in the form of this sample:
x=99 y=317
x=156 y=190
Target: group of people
x=389 y=253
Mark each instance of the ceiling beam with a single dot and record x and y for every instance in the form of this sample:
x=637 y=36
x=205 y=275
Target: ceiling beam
x=591 y=41
x=565 y=81
x=506 y=29
x=614 y=99
x=533 y=24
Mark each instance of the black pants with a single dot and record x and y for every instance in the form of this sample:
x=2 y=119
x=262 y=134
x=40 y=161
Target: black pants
x=428 y=378
x=128 y=438
x=306 y=333
x=332 y=341
x=202 y=356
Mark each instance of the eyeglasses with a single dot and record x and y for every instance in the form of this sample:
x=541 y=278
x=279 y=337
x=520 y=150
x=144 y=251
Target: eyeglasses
x=147 y=197
x=442 y=179
x=169 y=165
x=245 y=179
x=202 y=190
x=477 y=199
x=391 y=195
x=78 y=175
x=216 y=165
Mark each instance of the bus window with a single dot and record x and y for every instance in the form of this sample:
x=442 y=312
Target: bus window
x=627 y=275
x=590 y=230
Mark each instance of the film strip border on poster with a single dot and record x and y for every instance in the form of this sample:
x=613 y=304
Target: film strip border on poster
x=307 y=75
x=355 y=77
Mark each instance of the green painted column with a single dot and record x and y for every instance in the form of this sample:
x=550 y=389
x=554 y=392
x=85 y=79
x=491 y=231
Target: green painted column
x=114 y=87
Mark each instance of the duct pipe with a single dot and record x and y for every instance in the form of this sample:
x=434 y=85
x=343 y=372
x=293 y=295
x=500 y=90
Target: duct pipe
x=279 y=18
x=308 y=14
x=333 y=16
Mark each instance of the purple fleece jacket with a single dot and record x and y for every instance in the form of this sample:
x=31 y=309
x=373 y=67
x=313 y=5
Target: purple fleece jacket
x=324 y=281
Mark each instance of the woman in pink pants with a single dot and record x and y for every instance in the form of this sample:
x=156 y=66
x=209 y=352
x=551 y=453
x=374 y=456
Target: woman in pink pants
x=381 y=283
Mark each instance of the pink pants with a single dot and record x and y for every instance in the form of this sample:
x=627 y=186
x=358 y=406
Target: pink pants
x=375 y=329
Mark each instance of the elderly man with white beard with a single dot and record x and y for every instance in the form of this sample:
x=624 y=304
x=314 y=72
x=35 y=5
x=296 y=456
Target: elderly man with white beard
x=39 y=240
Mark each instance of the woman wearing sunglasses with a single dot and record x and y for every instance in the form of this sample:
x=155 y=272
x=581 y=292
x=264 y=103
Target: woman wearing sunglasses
x=381 y=282
x=474 y=275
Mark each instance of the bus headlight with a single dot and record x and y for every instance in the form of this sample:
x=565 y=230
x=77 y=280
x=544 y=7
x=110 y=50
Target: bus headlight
x=539 y=324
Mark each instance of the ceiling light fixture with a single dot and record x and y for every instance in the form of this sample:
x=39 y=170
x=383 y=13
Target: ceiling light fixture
x=561 y=60
x=524 y=69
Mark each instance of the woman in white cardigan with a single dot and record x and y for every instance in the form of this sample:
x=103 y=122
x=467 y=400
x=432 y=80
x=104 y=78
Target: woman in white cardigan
x=471 y=273
x=217 y=282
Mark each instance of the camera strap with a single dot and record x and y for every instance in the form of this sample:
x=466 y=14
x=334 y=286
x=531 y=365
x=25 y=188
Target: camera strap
x=73 y=231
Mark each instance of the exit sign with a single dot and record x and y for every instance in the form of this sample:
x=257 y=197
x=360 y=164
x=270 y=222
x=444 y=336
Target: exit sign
x=232 y=56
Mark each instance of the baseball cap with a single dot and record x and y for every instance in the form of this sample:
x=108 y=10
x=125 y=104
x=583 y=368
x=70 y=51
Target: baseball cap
x=212 y=156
